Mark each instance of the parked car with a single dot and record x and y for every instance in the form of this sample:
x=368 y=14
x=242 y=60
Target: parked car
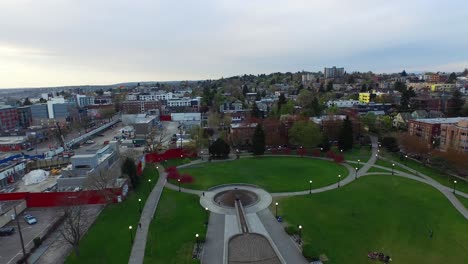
x=68 y=154
x=30 y=219
x=106 y=142
x=89 y=142
x=7 y=231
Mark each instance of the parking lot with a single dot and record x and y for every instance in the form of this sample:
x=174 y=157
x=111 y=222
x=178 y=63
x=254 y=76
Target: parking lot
x=10 y=250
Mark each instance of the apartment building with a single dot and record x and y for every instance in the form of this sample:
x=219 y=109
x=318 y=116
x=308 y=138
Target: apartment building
x=429 y=129
x=454 y=136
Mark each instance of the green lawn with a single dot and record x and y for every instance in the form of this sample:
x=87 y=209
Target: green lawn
x=380 y=213
x=439 y=176
x=108 y=239
x=275 y=174
x=375 y=169
x=176 y=162
x=171 y=236
x=463 y=200
x=362 y=154
x=388 y=164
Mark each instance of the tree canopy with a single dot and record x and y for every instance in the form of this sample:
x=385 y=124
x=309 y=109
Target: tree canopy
x=305 y=133
x=258 y=141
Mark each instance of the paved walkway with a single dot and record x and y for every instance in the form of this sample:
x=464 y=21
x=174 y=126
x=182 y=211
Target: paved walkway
x=141 y=234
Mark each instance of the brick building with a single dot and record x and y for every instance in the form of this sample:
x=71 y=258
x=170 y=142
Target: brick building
x=429 y=129
x=140 y=107
x=8 y=117
x=454 y=136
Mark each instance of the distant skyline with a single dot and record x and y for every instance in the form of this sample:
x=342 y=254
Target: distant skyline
x=68 y=42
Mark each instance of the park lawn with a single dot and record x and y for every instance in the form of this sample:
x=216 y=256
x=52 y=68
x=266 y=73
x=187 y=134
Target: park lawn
x=108 y=239
x=388 y=164
x=463 y=200
x=439 y=176
x=176 y=162
x=171 y=236
x=362 y=154
x=275 y=174
x=380 y=213
x=375 y=169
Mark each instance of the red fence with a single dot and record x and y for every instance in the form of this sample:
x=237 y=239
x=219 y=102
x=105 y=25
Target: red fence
x=51 y=199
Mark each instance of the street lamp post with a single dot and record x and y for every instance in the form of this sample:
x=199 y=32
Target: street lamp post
x=196 y=237
x=19 y=231
x=131 y=234
x=454 y=183
x=206 y=212
x=178 y=180
x=276 y=210
x=355 y=176
x=300 y=235
x=358 y=163
x=339 y=180
x=139 y=204
x=310 y=187
x=393 y=168
x=406 y=159
x=149 y=186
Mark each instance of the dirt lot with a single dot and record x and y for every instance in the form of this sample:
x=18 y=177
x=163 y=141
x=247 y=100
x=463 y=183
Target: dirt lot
x=10 y=250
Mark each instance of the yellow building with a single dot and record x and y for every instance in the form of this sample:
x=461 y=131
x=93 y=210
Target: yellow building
x=442 y=87
x=364 y=98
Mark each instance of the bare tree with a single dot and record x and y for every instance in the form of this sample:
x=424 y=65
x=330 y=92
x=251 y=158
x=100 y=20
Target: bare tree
x=75 y=221
x=156 y=139
x=104 y=181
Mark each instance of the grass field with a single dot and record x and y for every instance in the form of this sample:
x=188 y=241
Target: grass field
x=439 y=176
x=380 y=213
x=108 y=239
x=463 y=200
x=388 y=164
x=275 y=174
x=171 y=236
x=375 y=169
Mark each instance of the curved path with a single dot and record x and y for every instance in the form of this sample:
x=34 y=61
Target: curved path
x=217 y=224
x=363 y=171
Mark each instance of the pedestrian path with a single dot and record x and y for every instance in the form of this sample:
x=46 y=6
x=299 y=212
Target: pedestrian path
x=137 y=255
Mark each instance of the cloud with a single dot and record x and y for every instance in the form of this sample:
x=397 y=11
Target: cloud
x=84 y=42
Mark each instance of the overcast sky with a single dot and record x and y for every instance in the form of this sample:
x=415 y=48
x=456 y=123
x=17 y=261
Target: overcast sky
x=72 y=42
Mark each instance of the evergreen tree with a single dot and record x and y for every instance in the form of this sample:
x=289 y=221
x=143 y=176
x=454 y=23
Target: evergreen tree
x=345 y=139
x=256 y=112
x=399 y=86
x=258 y=141
x=363 y=88
x=329 y=86
x=452 y=78
x=27 y=101
x=129 y=168
x=219 y=149
x=281 y=101
x=245 y=89
x=456 y=104
x=322 y=88
x=404 y=74
x=264 y=93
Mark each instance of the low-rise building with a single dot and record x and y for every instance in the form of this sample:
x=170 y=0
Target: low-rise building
x=443 y=87
x=140 y=107
x=454 y=136
x=343 y=103
x=429 y=129
x=364 y=98
x=83 y=167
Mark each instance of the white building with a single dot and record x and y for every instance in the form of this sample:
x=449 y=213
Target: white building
x=343 y=103
x=184 y=102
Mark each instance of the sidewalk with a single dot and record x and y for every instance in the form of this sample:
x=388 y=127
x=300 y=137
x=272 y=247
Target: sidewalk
x=141 y=234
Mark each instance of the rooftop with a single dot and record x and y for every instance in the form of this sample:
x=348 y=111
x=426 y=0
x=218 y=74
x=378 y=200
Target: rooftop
x=451 y=120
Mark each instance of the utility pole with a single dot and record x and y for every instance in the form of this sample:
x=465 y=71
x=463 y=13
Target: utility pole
x=20 y=234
